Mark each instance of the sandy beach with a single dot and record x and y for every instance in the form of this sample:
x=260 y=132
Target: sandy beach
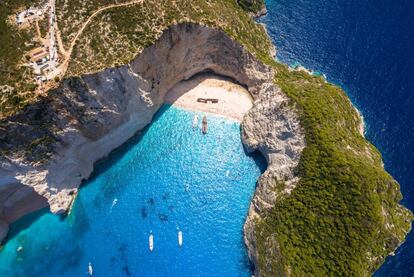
x=233 y=100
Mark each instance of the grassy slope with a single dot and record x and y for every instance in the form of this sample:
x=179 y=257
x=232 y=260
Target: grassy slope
x=72 y=13
x=253 y=6
x=118 y=34
x=343 y=216
x=14 y=43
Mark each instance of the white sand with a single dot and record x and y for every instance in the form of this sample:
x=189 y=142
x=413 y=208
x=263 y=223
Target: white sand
x=233 y=100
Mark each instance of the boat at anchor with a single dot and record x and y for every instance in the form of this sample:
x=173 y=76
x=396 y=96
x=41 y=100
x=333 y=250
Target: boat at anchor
x=151 y=241
x=180 y=237
x=204 y=125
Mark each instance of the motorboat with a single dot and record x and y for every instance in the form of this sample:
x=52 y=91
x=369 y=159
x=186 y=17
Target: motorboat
x=151 y=241
x=195 y=122
x=114 y=202
x=180 y=237
x=90 y=269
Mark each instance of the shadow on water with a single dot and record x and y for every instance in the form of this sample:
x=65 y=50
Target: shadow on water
x=109 y=190
x=258 y=159
x=24 y=223
x=100 y=167
x=81 y=219
x=106 y=163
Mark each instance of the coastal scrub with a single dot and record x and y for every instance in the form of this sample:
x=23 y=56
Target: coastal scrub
x=342 y=218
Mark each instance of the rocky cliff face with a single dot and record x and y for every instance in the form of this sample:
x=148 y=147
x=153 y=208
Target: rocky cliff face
x=50 y=147
x=256 y=8
x=272 y=127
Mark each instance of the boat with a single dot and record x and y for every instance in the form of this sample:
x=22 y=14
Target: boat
x=90 y=269
x=180 y=237
x=151 y=241
x=195 y=122
x=204 y=125
x=114 y=203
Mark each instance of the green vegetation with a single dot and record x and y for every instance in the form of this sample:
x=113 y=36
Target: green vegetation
x=71 y=14
x=117 y=35
x=343 y=217
x=44 y=26
x=253 y=6
x=15 y=79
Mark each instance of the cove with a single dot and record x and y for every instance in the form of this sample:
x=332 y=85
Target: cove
x=167 y=176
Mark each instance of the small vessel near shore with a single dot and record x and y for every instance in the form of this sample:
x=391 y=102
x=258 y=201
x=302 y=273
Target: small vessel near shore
x=195 y=122
x=204 y=125
x=151 y=241
x=180 y=237
x=114 y=202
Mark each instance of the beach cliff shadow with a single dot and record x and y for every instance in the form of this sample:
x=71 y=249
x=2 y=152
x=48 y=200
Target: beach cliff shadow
x=24 y=223
x=117 y=154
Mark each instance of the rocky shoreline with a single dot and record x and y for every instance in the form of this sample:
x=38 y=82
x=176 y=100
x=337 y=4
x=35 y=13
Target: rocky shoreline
x=86 y=118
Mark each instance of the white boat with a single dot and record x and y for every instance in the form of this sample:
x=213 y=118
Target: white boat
x=195 y=122
x=90 y=269
x=114 y=203
x=180 y=237
x=151 y=241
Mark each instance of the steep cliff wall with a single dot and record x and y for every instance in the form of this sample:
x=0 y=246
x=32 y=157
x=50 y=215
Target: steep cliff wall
x=273 y=128
x=51 y=146
x=340 y=217
x=255 y=7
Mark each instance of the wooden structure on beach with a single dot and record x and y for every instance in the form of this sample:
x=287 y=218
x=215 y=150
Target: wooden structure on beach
x=206 y=100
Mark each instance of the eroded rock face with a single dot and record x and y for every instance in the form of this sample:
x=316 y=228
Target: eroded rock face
x=52 y=145
x=272 y=127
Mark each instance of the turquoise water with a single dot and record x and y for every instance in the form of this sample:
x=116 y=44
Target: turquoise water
x=167 y=177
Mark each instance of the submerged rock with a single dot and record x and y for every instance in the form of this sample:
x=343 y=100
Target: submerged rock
x=151 y=201
x=163 y=217
x=144 y=212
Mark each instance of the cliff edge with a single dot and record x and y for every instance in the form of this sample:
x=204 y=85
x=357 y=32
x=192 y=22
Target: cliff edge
x=324 y=206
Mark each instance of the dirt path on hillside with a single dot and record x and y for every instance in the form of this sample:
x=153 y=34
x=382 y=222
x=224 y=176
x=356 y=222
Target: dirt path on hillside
x=68 y=52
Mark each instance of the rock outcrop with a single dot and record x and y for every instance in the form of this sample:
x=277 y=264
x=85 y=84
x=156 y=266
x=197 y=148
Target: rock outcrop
x=272 y=126
x=256 y=8
x=50 y=147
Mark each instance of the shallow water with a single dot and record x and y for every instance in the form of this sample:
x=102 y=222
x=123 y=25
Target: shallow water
x=367 y=47
x=167 y=177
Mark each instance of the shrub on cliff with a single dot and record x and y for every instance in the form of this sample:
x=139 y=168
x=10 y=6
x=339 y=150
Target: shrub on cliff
x=253 y=6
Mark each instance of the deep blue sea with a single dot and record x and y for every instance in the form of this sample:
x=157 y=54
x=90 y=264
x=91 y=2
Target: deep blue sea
x=168 y=176
x=367 y=47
